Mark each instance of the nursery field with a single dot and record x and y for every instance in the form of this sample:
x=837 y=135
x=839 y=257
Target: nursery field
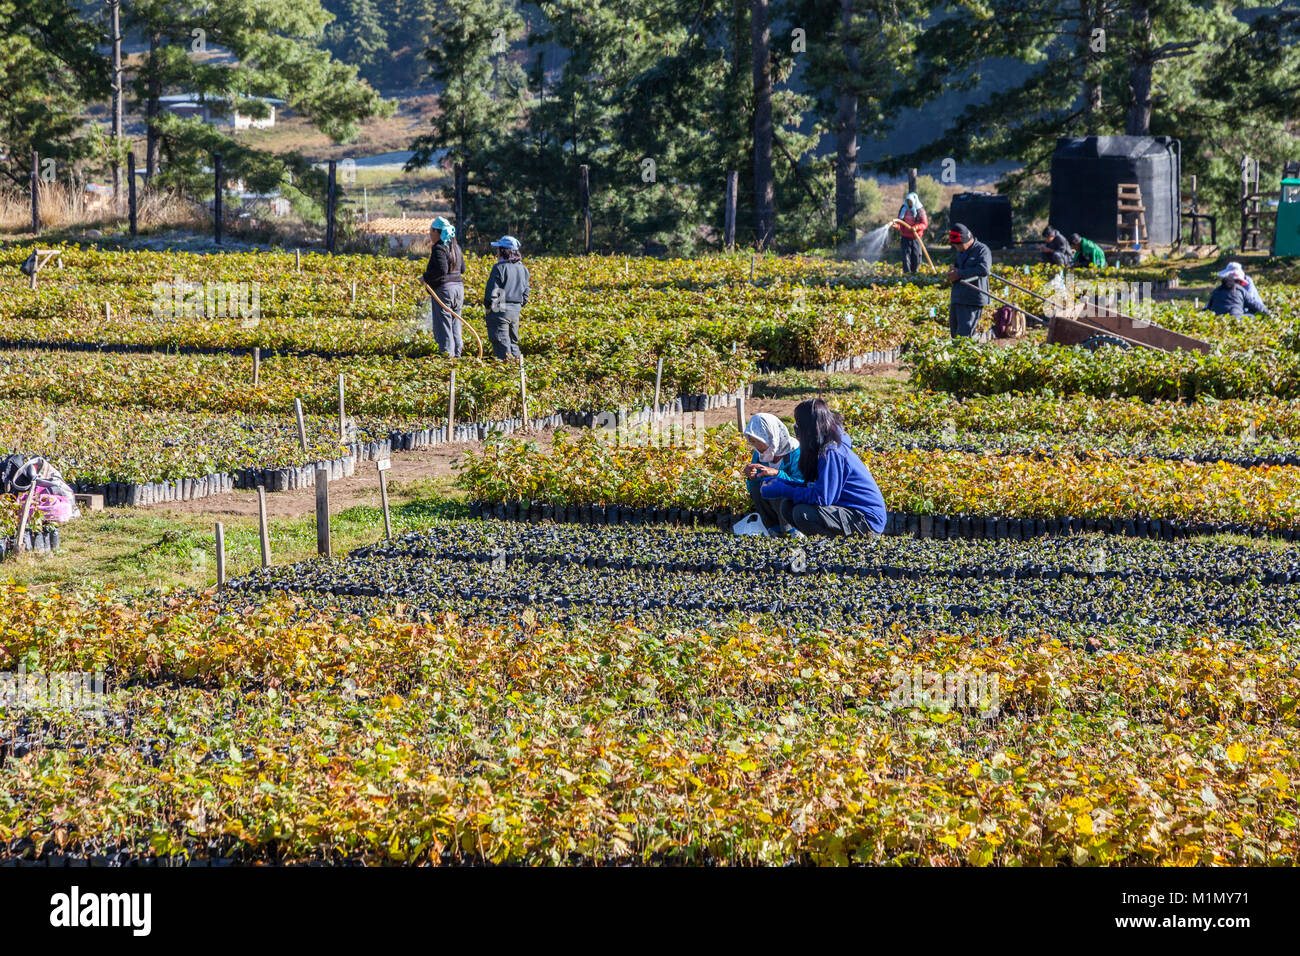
x=1076 y=643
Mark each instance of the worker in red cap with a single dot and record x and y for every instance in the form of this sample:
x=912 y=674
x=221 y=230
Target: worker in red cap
x=969 y=278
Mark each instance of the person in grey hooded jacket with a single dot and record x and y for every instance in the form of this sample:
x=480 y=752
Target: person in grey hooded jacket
x=505 y=297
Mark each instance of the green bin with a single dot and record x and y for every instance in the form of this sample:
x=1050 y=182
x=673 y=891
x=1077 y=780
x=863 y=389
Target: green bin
x=1286 y=237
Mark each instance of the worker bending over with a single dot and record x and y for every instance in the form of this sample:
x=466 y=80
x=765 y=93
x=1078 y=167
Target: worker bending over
x=505 y=297
x=911 y=225
x=973 y=263
x=840 y=496
x=1055 y=249
x=776 y=455
x=1235 y=294
x=1087 y=253
x=444 y=276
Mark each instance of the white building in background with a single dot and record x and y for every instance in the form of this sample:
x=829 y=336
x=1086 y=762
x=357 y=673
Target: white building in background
x=216 y=112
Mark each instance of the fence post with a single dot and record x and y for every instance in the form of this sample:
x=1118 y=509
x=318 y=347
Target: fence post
x=383 y=465
x=264 y=537
x=729 y=216
x=458 y=210
x=584 y=202
x=331 y=197
x=257 y=366
x=216 y=202
x=323 y=512
x=523 y=392
x=221 y=555
x=36 y=202
x=451 y=406
x=302 y=427
x=130 y=189
x=343 y=427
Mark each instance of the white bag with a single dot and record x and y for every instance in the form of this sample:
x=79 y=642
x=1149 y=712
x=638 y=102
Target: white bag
x=750 y=524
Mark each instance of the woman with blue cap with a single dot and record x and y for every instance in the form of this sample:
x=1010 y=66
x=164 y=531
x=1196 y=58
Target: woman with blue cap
x=505 y=297
x=444 y=276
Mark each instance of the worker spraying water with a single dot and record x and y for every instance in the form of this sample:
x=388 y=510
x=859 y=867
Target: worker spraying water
x=911 y=224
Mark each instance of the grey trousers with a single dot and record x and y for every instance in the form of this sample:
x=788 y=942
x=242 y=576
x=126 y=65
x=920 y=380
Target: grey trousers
x=911 y=255
x=962 y=319
x=446 y=327
x=824 y=519
x=503 y=330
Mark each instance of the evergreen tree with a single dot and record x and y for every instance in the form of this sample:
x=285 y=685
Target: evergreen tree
x=274 y=52
x=49 y=69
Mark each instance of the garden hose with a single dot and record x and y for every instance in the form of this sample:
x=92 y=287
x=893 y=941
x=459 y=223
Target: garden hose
x=448 y=308
x=933 y=268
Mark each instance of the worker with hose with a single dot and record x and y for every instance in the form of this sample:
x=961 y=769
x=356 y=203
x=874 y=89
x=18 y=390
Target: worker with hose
x=969 y=278
x=911 y=225
x=505 y=297
x=444 y=275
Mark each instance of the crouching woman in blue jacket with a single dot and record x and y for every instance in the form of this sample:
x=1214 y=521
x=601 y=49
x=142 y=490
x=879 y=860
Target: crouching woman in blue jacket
x=840 y=497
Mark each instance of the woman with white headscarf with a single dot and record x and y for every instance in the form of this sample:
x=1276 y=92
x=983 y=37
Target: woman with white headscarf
x=776 y=455
x=911 y=225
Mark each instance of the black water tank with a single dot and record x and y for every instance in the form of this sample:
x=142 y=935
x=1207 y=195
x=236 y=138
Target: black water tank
x=1087 y=170
x=986 y=215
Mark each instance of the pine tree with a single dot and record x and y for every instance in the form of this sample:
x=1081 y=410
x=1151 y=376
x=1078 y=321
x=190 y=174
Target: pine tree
x=49 y=68
x=274 y=51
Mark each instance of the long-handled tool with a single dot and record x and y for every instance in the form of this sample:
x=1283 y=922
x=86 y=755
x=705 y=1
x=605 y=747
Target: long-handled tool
x=994 y=295
x=449 y=309
x=933 y=268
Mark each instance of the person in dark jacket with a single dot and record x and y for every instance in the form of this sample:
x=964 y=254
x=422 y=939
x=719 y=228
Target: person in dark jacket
x=505 y=297
x=974 y=263
x=1055 y=248
x=444 y=274
x=840 y=497
x=1088 y=253
x=1235 y=294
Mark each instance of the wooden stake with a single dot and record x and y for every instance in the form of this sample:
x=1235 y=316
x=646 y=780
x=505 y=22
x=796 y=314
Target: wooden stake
x=354 y=291
x=322 y=512
x=740 y=411
x=221 y=555
x=21 y=543
x=343 y=426
x=392 y=294
x=263 y=537
x=302 y=426
x=297 y=256
x=523 y=391
x=659 y=374
x=257 y=366
x=108 y=312
x=217 y=211
x=751 y=269
x=451 y=405
x=383 y=465
x=130 y=189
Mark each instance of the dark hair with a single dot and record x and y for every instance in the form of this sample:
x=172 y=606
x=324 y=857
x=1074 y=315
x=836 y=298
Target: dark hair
x=816 y=427
x=1075 y=238
x=509 y=255
x=1048 y=230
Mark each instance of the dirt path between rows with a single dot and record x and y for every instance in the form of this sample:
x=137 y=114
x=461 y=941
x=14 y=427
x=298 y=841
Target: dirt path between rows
x=435 y=462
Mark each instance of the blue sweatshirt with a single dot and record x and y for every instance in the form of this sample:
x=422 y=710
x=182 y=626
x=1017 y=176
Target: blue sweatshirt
x=787 y=469
x=842 y=480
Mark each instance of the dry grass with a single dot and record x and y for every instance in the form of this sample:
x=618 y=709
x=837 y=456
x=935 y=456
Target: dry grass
x=62 y=208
